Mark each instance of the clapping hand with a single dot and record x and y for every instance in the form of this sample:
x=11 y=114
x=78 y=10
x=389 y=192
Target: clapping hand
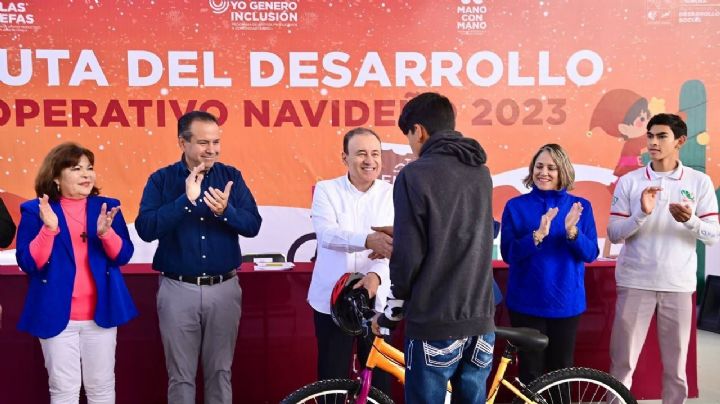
x=47 y=215
x=545 y=221
x=217 y=200
x=193 y=182
x=573 y=217
x=681 y=213
x=105 y=219
x=648 y=198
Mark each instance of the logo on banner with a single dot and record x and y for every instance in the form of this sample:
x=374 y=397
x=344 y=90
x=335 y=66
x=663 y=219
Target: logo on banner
x=258 y=15
x=471 y=17
x=394 y=157
x=16 y=17
x=659 y=12
x=219 y=7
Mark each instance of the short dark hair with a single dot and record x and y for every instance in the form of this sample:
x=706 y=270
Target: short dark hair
x=186 y=120
x=676 y=124
x=357 y=131
x=59 y=158
x=433 y=111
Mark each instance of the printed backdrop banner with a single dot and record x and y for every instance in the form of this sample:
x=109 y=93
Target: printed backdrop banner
x=288 y=78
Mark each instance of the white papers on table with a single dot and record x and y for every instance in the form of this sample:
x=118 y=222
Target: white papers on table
x=273 y=266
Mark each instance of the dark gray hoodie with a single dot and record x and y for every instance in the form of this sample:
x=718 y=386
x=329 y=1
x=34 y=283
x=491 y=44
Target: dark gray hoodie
x=441 y=265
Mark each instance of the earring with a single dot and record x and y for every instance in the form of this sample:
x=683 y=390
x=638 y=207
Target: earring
x=58 y=186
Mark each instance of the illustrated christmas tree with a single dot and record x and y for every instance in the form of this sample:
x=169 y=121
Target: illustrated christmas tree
x=693 y=107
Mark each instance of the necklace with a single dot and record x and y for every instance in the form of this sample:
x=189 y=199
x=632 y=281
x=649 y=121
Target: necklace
x=83 y=235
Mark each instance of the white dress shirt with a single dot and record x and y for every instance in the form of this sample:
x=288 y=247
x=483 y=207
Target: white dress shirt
x=342 y=216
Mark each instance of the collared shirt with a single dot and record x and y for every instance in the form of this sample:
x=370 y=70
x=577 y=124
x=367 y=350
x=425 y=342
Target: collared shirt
x=659 y=252
x=192 y=240
x=342 y=216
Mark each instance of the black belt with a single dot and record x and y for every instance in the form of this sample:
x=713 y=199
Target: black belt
x=205 y=280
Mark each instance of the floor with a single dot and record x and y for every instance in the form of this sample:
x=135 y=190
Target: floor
x=708 y=344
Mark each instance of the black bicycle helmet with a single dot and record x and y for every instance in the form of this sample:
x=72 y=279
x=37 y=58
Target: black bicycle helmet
x=349 y=306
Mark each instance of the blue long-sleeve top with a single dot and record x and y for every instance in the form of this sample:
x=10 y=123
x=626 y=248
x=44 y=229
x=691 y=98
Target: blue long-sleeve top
x=546 y=280
x=192 y=240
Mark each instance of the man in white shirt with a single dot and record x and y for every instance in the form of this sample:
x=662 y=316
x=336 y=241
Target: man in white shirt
x=344 y=210
x=659 y=211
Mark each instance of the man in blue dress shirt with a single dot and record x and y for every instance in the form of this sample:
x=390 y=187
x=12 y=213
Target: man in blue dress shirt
x=196 y=208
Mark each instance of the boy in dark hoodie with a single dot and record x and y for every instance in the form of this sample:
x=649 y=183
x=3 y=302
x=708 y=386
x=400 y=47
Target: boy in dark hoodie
x=441 y=265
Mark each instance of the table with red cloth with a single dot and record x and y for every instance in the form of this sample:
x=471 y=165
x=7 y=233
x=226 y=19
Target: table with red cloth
x=275 y=351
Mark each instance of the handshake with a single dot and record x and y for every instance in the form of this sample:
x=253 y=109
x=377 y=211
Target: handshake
x=380 y=242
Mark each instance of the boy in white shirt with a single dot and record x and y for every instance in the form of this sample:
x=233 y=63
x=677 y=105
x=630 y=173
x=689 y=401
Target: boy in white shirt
x=659 y=211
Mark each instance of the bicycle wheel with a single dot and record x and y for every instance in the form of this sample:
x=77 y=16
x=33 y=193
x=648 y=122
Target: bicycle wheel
x=334 y=391
x=578 y=385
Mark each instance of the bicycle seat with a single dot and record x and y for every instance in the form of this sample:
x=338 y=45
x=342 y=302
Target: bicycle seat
x=527 y=339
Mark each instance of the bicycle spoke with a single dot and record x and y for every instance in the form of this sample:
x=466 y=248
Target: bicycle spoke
x=579 y=385
x=335 y=391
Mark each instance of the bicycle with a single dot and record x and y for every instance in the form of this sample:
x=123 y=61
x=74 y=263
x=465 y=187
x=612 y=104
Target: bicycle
x=577 y=384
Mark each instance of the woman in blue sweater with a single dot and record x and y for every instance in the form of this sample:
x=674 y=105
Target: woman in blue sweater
x=547 y=237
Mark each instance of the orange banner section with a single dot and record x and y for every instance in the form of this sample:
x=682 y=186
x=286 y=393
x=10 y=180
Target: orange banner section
x=288 y=78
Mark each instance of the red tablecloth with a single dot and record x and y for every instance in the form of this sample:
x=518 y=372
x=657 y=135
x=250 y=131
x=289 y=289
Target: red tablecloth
x=275 y=351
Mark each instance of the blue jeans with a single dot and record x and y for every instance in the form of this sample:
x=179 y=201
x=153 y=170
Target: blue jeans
x=465 y=362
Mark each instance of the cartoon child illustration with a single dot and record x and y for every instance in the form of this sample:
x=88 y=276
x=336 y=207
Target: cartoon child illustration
x=623 y=113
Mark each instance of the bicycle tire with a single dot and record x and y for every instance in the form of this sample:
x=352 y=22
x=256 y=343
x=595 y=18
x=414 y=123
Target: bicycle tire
x=333 y=391
x=581 y=385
